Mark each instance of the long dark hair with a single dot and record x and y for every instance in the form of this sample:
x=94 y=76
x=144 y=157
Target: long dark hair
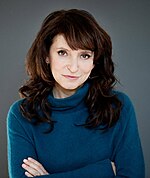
x=81 y=31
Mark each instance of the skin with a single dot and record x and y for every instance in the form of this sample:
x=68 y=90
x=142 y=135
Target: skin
x=70 y=69
x=33 y=168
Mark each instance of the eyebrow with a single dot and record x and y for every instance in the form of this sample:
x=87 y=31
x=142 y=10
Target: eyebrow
x=82 y=50
x=64 y=48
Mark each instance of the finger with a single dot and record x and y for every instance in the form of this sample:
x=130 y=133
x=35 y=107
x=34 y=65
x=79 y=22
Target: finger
x=39 y=165
x=30 y=170
x=28 y=174
x=34 y=166
x=114 y=167
x=34 y=161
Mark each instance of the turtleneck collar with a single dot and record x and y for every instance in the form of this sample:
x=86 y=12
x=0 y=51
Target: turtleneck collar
x=62 y=104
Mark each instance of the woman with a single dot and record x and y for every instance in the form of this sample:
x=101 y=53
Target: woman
x=71 y=122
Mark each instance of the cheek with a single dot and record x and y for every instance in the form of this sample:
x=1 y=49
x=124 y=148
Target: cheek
x=55 y=65
x=87 y=68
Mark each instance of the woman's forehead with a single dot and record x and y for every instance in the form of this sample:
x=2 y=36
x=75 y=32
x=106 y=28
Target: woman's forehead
x=59 y=42
x=64 y=41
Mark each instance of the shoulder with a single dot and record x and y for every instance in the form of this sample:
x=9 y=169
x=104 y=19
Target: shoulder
x=127 y=110
x=17 y=125
x=14 y=114
x=125 y=100
x=127 y=114
x=15 y=107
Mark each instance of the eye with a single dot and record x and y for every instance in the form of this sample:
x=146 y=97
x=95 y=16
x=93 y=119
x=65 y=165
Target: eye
x=62 y=53
x=85 y=56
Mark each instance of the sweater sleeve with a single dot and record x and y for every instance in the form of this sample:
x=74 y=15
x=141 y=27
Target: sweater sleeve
x=128 y=155
x=21 y=145
x=100 y=169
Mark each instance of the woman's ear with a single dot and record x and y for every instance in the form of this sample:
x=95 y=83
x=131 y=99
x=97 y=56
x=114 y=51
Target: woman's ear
x=47 y=60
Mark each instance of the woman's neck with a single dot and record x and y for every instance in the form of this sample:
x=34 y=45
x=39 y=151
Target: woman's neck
x=59 y=92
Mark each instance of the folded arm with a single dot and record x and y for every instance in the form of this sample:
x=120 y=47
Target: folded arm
x=21 y=146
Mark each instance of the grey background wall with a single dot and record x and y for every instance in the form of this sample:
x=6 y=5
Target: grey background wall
x=127 y=22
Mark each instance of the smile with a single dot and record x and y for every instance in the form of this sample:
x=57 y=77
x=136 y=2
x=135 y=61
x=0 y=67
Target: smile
x=71 y=77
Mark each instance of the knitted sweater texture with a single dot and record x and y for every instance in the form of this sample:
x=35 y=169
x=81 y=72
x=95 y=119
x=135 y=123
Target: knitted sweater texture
x=71 y=151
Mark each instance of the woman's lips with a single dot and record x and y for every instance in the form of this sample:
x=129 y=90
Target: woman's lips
x=71 y=77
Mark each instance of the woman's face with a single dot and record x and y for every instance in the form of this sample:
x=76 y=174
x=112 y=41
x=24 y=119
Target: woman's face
x=70 y=68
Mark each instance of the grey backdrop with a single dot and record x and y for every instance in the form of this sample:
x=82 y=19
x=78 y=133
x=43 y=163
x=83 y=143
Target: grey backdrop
x=128 y=23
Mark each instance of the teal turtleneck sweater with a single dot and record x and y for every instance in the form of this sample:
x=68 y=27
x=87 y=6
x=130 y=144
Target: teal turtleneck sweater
x=71 y=151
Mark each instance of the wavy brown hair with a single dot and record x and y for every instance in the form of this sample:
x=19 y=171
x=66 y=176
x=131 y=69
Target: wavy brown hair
x=81 y=31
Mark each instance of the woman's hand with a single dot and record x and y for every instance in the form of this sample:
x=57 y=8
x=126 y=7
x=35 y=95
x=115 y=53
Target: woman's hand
x=33 y=168
x=113 y=167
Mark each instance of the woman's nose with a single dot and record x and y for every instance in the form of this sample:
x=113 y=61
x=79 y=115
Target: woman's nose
x=73 y=65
